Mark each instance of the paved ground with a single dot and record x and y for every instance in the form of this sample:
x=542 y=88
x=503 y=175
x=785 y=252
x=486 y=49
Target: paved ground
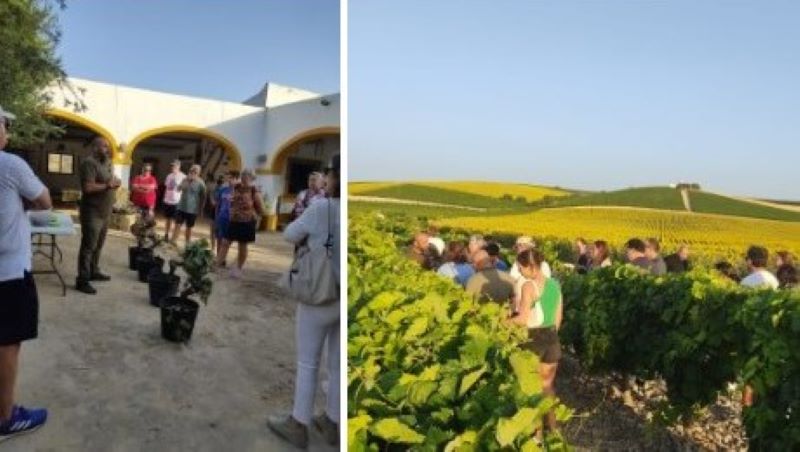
x=112 y=383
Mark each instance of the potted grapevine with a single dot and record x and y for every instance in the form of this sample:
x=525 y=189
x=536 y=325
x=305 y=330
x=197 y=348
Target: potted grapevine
x=142 y=257
x=178 y=313
x=143 y=229
x=163 y=284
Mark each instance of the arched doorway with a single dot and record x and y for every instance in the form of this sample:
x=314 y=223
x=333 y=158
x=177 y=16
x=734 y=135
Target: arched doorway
x=215 y=153
x=292 y=162
x=57 y=160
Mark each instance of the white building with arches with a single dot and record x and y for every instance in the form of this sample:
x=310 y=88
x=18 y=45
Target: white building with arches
x=283 y=133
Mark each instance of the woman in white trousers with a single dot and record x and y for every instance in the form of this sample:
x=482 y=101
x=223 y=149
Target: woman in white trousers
x=315 y=325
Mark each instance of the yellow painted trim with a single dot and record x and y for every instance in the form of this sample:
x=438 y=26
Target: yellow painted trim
x=91 y=125
x=277 y=162
x=230 y=148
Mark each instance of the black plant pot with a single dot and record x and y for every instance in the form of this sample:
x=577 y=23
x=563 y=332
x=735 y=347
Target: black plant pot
x=146 y=263
x=177 y=318
x=133 y=253
x=161 y=285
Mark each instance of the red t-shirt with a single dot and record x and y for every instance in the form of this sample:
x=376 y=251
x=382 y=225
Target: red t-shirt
x=143 y=199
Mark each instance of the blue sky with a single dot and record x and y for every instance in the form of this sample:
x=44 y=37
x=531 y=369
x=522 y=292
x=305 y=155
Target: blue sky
x=590 y=95
x=218 y=49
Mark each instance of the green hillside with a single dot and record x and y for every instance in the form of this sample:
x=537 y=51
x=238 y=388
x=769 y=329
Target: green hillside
x=412 y=210
x=783 y=202
x=442 y=196
x=663 y=198
x=709 y=203
x=650 y=197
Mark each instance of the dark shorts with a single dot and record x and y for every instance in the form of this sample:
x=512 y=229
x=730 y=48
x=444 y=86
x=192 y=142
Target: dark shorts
x=239 y=231
x=221 y=228
x=19 y=310
x=545 y=344
x=170 y=210
x=185 y=217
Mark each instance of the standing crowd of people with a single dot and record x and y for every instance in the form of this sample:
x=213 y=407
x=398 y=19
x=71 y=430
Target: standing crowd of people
x=534 y=296
x=237 y=208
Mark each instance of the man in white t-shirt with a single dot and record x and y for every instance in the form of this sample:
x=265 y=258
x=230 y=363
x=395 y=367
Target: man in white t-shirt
x=759 y=276
x=172 y=194
x=19 y=302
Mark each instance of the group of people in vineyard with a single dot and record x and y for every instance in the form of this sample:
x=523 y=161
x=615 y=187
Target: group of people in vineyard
x=534 y=295
x=758 y=273
x=526 y=284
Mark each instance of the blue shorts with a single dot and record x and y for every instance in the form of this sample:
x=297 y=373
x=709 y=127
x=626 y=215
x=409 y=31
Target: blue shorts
x=221 y=227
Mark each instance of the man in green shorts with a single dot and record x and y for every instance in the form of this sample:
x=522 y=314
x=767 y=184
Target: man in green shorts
x=98 y=185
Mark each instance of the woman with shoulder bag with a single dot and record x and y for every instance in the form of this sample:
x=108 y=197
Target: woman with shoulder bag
x=541 y=312
x=318 y=226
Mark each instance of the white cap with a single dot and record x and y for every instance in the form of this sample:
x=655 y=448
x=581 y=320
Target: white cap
x=438 y=243
x=525 y=240
x=7 y=114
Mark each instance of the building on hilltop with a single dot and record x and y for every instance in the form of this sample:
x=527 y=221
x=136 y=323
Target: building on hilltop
x=283 y=133
x=685 y=186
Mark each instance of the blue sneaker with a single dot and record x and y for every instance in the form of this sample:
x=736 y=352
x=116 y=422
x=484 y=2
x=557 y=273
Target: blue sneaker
x=22 y=421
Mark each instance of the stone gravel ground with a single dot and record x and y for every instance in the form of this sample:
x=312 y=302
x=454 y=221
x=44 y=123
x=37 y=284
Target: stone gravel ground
x=606 y=419
x=112 y=383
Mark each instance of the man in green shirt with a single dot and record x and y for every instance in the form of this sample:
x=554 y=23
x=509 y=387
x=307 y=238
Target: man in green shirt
x=193 y=198
x=488 y=283
x=98 y=185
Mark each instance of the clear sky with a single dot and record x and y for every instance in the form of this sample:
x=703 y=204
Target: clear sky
x=590 y=95
x=210 y=48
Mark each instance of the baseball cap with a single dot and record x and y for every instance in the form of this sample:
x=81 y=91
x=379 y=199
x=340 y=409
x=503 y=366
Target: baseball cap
x=7 y=114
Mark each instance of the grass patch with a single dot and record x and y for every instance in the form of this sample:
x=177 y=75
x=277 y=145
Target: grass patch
x=497 y=189
x=427 y=212
x=709 y=203
x=664 y=198
x=425 y=193
x=515 y=191
x=358 y=188
x=785 y=203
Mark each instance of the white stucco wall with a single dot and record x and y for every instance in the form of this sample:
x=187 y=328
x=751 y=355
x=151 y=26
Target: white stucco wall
x=127 y=112
x=288 y=121
x=273 y=95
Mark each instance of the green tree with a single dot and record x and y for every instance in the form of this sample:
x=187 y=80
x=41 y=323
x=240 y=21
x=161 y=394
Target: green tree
x=29 y=34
